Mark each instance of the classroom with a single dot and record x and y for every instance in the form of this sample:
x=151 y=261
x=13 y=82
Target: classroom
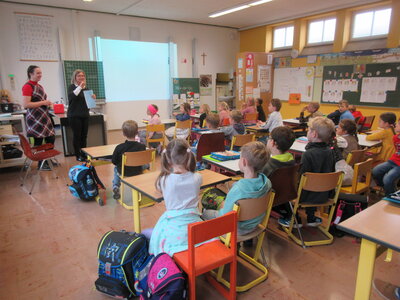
x=194 y=71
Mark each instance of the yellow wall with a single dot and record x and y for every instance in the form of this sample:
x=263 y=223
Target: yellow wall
x=253 y=40
x=289 y=111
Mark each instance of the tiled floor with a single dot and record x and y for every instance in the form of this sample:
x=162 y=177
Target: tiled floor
x=48 y=245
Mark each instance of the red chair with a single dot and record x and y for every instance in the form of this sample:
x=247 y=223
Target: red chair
x=210 y=142
x=41 y=153
x=204 y=258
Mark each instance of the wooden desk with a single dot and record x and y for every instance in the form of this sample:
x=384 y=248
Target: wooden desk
x=378 y=226
x=99 y=152
x=258 y=131
x=228 y=165
x=364 y=143
x=292 y=122
x=145 y=184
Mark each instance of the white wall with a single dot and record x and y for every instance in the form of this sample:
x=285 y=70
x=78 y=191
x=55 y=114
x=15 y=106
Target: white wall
x=76 y=27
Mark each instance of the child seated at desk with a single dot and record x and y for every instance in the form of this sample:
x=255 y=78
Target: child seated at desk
x=274 y=118
x=129 y=130
x=223 y=112
x=255 y=184
x=183 y=115
x=386 y=174
x=356 y=114
x=341 y=113
x=204 y=111
x=154 y=119
x=313 y=109
x=260 y=110
x=180 y=187
x=346 y=137
x=318 y=158
x=236 y=127
x=387 y=122
x=249 y=107
x=279 y=142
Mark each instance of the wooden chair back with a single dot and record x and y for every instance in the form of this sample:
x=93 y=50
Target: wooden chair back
x=284 y=183
x=250 y=118
x=242 y=139
x=210 y=142
x=253 y=207
x=155 y=128
x=136 y=159
x=320 y=182
x=367 y=124
x=183 y=125
x=356 y=156
x=362 y=177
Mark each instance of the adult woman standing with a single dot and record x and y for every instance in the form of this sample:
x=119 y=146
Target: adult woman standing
x=38 y=121
x=78 y=112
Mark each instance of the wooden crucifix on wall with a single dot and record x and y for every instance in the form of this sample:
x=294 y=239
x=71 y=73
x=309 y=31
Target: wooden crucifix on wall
x=204 y=58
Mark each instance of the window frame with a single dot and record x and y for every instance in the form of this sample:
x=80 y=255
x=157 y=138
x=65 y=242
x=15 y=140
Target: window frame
x=369 y=37
x=308 y=44
x=273 y=36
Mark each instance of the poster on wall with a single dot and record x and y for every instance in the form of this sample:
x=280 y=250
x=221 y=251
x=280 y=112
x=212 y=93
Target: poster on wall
x=206 y=85
x=37 y=37
x=264 y=78
x=249 y=75
x=373 y=89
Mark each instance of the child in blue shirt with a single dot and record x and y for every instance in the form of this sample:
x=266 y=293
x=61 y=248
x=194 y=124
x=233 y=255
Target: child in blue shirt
x=255 y=184
x=182 y=116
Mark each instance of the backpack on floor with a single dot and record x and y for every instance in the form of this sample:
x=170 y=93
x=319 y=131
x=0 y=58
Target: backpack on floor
x=85 y=182
x=120 y=255
x=165 y=280
x=212 y=198
x=347 y=206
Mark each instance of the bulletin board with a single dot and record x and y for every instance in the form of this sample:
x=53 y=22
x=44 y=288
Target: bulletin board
x=364 y=84
x=94 y=75
x=184 y=85
x=294 y=81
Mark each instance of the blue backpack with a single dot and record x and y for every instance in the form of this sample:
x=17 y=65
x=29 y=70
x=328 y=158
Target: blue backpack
x=85 y=182
x=123 y=264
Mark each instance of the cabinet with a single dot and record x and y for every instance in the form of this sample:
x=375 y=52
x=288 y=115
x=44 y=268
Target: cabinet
x=9 y=126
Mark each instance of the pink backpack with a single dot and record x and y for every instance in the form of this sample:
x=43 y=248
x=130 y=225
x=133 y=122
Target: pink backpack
x=165 y=280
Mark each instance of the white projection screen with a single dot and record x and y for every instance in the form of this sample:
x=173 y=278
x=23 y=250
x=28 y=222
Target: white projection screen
x=135 y=70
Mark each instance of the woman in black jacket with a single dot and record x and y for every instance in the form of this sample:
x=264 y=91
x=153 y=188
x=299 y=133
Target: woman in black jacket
x=78 y=112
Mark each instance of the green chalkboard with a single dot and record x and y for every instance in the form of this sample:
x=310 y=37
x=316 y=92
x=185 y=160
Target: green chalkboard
x=361 y=73
x=185 y=85
x=94 y=75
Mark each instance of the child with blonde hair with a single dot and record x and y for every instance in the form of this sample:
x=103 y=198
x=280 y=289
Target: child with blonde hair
x=205 y=111
x=180 y=186
x=223 y=111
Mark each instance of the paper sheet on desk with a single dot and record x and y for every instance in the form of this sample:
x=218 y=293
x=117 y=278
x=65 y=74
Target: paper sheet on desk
x=90 y=102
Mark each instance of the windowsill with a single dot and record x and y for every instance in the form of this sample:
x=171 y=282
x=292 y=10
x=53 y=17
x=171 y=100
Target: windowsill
x=319 y=44
x=368 y=38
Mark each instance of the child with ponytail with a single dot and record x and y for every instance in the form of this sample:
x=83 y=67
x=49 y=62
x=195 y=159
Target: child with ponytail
x=346 y=136
x=180 y=187
x=387 y=122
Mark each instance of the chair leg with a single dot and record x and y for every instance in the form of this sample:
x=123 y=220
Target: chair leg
x=37 y=177
x=26 y=173
x=298 y=229
x=22 y=169
x=52 y=168
x=192 y=287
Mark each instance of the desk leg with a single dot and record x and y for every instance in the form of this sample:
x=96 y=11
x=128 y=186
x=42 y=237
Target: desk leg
x=365 y=272
x=136 y=212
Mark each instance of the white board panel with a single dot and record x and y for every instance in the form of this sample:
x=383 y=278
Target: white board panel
x=294 y=80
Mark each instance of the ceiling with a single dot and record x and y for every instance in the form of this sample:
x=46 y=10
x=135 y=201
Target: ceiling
x=197 y=11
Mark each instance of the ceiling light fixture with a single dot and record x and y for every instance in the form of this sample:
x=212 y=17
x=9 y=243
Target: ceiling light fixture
x=237 y=8
x=87 y=0
x=259 y=2
x=228 y=11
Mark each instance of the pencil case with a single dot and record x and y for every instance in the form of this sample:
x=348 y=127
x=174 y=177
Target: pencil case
x=226 y=155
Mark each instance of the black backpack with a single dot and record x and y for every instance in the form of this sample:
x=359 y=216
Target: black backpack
x=347 y=206
x=122 y=255
x=85 y=182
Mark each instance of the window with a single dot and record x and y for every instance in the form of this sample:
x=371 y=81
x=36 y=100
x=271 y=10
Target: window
x=283 y=37
x=321 y=31
x=371 y=23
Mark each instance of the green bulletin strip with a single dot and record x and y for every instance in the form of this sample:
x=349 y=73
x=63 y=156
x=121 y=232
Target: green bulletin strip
x=94 y=75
